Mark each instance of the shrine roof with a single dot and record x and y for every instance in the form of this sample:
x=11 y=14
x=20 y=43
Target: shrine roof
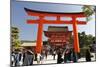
x=58 y=28
x=29 y=44
x=57 y=32
x=50 y=33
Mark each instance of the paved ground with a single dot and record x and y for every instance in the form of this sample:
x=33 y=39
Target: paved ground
x=50 y=60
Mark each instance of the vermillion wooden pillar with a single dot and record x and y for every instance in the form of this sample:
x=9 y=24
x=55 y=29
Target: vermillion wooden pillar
x=75 y=33
x=39 y=37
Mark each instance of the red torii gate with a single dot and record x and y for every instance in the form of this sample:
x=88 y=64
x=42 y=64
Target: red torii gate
x=41 y=21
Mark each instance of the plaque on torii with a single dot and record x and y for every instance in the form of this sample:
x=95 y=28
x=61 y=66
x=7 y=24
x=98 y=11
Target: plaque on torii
x=58 y=15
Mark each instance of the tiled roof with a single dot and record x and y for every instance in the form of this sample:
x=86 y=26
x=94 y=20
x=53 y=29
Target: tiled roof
x=57 y=28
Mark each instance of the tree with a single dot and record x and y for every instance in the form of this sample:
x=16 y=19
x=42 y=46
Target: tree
x=15 y=37
x=85 y=40
x=89 y=10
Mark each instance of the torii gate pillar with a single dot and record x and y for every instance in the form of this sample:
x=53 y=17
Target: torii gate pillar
x=39 y=37
x=75 y=33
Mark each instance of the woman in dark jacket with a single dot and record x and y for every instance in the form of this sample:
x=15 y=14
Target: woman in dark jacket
x=59 y=58
x=67 y=56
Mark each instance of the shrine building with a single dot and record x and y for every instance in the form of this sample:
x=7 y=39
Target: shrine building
x=58 y=36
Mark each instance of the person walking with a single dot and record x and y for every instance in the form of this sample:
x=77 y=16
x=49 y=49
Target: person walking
x=25 y=58
x=13 y=58
x=42 y=57
x=88 y=55
x=46 y=54
x=38 y=58
x=54 y=54
x=67 y=56
x=17 y=57
x=59 y=58
x=74 y=56
x=30 y=57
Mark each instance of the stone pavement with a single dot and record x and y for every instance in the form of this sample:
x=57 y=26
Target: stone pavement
x=50 y=60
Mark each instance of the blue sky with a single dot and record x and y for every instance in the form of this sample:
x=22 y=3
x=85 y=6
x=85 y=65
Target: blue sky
x=29 y=32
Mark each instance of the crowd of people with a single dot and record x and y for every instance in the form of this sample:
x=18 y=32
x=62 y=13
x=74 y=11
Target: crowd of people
x=65 y=56
x=69 y=56
x=27 y=57
x=22 y=57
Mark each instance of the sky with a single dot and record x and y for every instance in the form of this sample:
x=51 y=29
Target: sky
x=29 y=32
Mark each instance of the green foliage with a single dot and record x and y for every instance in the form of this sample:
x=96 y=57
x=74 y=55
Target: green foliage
x=88 y=10
x=15 y=37
x=85 y=40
